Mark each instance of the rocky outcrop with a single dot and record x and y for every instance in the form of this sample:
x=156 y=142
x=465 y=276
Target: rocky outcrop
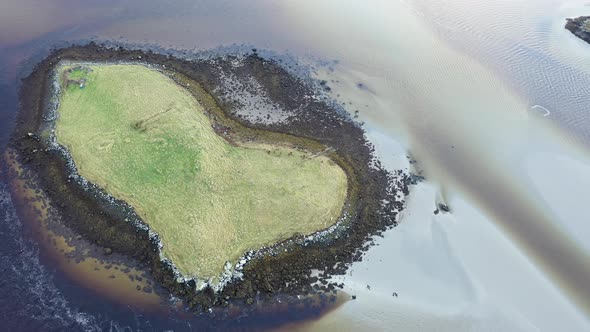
x=580 y=27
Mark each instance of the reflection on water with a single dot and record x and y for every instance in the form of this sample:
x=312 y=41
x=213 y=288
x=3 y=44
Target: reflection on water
x=528 y=47
x=454 y=80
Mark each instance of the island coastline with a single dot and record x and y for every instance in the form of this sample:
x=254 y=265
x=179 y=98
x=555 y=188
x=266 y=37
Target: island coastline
x=268 y=273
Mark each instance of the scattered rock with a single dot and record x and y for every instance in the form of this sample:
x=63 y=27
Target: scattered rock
x=580 y=27
x=444 y=207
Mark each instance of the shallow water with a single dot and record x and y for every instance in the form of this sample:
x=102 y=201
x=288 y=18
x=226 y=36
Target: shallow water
x=463 y=85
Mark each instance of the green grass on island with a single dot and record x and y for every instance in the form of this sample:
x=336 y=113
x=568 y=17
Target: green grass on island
x=147 y=140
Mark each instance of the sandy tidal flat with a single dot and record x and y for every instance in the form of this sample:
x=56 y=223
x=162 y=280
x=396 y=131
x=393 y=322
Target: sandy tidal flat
x=451 y=272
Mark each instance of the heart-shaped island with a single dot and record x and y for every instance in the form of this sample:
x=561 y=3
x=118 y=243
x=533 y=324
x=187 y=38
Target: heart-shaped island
x=209 y=192
x=225 y=178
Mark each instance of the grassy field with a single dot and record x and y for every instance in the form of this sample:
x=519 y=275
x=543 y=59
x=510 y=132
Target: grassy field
x=146 y=140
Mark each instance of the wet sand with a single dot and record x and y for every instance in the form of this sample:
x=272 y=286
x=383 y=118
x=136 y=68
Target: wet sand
x=451 y=272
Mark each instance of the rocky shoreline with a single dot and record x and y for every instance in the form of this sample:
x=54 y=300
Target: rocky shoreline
x=377 y=195
x=580 y=27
